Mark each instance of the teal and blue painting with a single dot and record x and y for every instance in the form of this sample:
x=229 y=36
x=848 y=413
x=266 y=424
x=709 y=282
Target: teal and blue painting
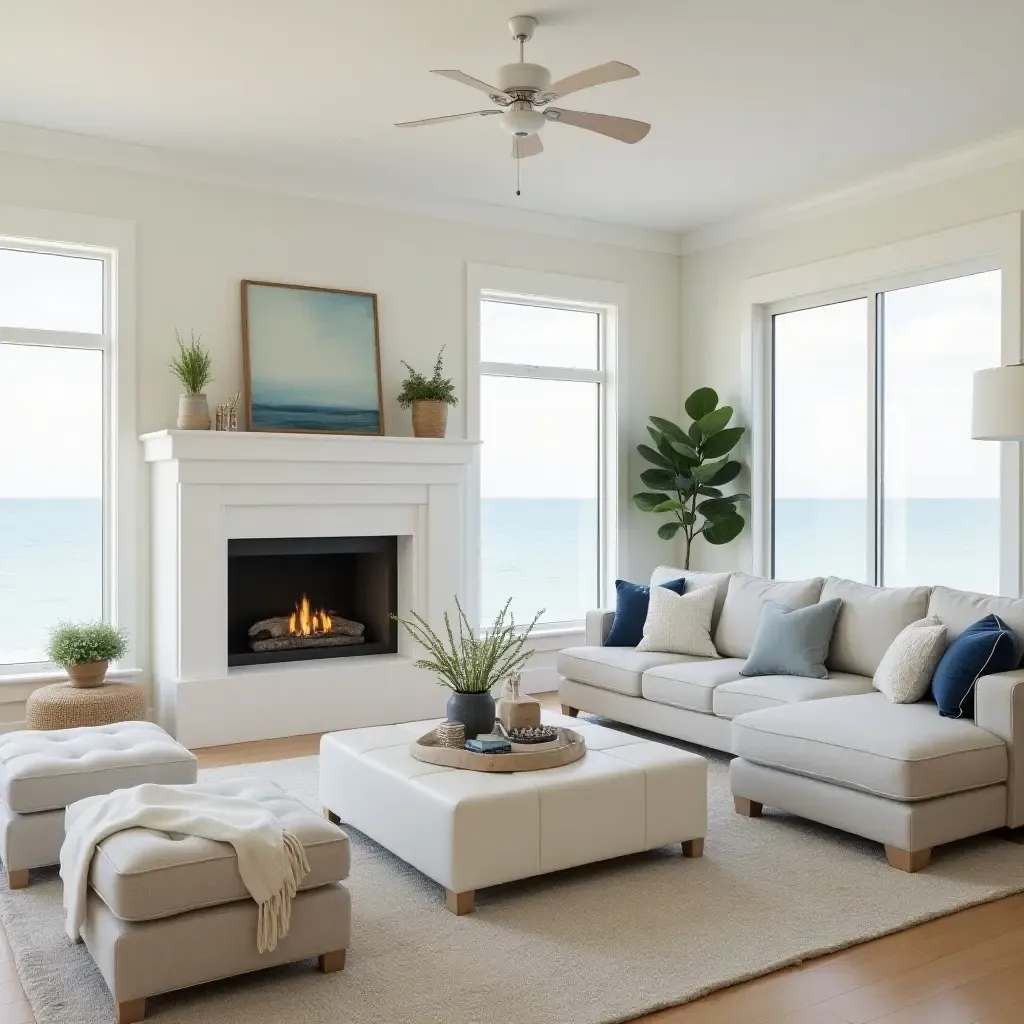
x=313 y=359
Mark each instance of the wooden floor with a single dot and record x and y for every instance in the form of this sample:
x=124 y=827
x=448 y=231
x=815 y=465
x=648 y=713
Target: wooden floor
x=961 y=969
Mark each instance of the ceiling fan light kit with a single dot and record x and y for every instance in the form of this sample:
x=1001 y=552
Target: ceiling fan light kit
x=524 y=91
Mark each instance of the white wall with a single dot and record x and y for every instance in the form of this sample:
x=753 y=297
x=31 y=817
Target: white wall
x=711 y=320
x=196 y=241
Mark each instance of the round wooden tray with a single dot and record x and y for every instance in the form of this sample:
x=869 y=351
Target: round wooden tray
x=570 y=746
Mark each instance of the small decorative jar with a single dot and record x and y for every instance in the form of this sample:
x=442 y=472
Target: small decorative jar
x=451 y=734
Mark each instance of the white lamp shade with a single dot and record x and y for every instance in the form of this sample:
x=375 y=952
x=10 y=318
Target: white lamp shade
x=998 y=411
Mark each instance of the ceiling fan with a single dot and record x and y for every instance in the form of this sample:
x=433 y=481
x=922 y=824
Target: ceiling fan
x=524 y=92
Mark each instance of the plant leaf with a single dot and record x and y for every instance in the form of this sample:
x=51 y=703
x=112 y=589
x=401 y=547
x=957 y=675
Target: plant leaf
x=711 y=492
x=669 y=505
x=659 y=479
x=668 y=530
x=685 y=485
x=716 y=420
x=685 y=452
x=668 y=428
x=706 y=472
x=715 y=508
x=647 y=501
x=723 y=442
x=656 y=457
x=701 y=402
x=728 y=471
x=724 y=529
x=696 y=434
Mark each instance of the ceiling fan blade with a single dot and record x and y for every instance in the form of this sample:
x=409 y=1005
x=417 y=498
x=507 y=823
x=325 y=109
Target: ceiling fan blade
x=474 y=83
x=624 y=129
x=524 y=146
x=449 y=117
x=613 y=71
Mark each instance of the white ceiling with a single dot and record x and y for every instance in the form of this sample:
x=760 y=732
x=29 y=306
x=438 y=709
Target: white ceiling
x=753 y=102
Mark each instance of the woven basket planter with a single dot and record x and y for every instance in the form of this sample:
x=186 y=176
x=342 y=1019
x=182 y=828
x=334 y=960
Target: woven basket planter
x=429 y=419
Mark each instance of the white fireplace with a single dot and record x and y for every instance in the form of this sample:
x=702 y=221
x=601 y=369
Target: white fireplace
x=210 y=488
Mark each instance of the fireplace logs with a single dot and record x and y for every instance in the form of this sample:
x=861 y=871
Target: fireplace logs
x=305 y=627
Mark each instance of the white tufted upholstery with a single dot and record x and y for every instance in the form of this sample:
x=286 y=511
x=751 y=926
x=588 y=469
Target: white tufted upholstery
x=142 y=874
x=42 y=771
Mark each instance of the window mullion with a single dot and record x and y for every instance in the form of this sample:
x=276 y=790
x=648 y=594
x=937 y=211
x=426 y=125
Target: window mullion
x=874 y=412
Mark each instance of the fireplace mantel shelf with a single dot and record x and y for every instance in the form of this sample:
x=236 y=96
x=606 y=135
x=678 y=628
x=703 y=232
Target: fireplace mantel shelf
x=258 y=446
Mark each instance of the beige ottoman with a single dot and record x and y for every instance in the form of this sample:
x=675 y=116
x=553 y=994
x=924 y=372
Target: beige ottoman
x=63 y=706
x=42 y=772
x=166 y=912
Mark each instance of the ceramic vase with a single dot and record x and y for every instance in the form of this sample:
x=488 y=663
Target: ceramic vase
x=193 y=412
x=87 y=674
x=473 y=710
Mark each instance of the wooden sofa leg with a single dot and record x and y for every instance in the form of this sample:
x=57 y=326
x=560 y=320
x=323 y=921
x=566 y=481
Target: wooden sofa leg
x=131 y=1012
x=908 y=860
x=461 y=903
x=693 y=847
x=331 y=816
x=18 y=878
x=568 y=709
x=331 y=962
x=748 y=808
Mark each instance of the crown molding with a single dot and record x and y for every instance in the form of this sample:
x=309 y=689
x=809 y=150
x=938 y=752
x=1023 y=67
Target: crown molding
x=85 y=149
x=981 y=156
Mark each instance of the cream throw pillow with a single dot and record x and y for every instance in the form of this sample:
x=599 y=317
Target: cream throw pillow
x=680 y=623
x=905 y=671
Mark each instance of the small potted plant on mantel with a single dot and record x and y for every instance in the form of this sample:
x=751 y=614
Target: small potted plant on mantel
x=472 y=664
x=429 y=398
x=85 y=650
x=193 y=366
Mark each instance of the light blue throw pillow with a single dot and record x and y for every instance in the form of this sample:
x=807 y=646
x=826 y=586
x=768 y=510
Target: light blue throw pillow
x=793 y=641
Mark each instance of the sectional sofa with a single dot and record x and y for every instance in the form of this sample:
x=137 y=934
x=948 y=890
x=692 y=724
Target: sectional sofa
x=832 y=750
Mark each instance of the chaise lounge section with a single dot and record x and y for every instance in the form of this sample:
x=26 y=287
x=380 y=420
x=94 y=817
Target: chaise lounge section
x=831 y=750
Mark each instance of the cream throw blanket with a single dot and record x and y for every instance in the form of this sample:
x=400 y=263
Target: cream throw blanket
x=271 y=860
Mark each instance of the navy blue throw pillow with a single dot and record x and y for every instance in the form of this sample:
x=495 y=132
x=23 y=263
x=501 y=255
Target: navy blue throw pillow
x=987 y=646
x=631 y=601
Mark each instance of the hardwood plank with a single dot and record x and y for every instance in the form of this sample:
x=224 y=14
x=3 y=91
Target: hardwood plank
x=258 y=750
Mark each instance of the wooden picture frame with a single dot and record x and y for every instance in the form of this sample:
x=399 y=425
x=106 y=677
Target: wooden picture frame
x=309 y=361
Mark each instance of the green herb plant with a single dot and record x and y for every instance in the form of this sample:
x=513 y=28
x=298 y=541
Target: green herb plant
x=193 y=365
x=79 y=643
x=418 y=388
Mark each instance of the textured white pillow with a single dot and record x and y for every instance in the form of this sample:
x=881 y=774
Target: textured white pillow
x=680 y=623
x=905 y=671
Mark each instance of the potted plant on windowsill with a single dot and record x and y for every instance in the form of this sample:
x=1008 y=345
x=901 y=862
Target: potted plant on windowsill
x=471 y=664
x=193 y=366
x=429 y=398
x=85 y=650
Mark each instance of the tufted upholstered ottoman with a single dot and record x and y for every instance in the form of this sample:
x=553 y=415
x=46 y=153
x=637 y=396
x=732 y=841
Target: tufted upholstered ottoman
x=168 y=911
x=42 y=772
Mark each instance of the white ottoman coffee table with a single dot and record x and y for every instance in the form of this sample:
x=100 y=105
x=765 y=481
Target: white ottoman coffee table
x=468 y=830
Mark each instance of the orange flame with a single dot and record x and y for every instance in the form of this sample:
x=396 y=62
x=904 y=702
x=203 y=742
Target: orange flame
x=305 y=621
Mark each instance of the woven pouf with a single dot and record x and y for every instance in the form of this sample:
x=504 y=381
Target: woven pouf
x=63 y=706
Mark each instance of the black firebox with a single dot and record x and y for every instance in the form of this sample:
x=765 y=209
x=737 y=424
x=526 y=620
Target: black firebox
x=297 y=598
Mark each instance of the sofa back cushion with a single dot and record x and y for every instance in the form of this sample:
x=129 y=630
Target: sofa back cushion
x=696 y=581
x=959 y=609
x=869 y=620
x=741 y=612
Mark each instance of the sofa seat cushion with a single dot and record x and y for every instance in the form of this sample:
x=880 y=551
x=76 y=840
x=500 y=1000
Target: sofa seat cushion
x=44 y=771
x=143 y=874
x=870 y=618
x=612 y=668
x=756 y=692
x=898 y=751
x=741 y=613
x=689 y=684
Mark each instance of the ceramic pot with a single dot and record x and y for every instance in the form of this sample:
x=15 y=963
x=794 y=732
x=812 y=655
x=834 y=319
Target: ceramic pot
x=193 y=412
x=429 y=419
x=88 y=673
x=474 y=710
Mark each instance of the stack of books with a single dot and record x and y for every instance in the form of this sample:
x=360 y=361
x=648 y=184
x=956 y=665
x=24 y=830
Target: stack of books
x=489 y=745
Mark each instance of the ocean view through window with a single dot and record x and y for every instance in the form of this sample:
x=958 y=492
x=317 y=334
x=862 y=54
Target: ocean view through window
x=53 y=388
x=874 y=473
x=541 y=479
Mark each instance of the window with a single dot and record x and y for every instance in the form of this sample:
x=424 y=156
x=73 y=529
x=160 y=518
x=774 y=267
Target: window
x=543 y=403
x=874 y=472
x=55 y=380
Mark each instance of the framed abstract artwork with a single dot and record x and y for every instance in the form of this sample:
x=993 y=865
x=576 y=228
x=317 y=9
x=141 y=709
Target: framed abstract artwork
x=312 y=359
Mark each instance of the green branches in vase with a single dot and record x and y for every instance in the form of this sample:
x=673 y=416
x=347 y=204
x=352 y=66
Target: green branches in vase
x=471 y=663
x=193 y=366
x=691 y=467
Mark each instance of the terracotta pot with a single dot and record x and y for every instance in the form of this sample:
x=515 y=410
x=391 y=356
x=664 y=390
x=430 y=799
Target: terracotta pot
x=193 y=412
x=429 y=418
x=88 y=673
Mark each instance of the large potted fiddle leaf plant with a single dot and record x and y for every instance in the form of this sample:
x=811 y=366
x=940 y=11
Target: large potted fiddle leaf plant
x=691 y=467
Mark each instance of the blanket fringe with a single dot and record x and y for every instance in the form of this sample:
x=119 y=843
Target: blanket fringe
x=275 y=914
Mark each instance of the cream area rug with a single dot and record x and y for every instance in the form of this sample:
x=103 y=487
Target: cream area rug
x=593 y=945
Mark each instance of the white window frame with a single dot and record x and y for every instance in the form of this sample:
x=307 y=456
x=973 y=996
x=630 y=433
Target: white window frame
x=975 y=248
x=113 y=243
x=608 y=300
